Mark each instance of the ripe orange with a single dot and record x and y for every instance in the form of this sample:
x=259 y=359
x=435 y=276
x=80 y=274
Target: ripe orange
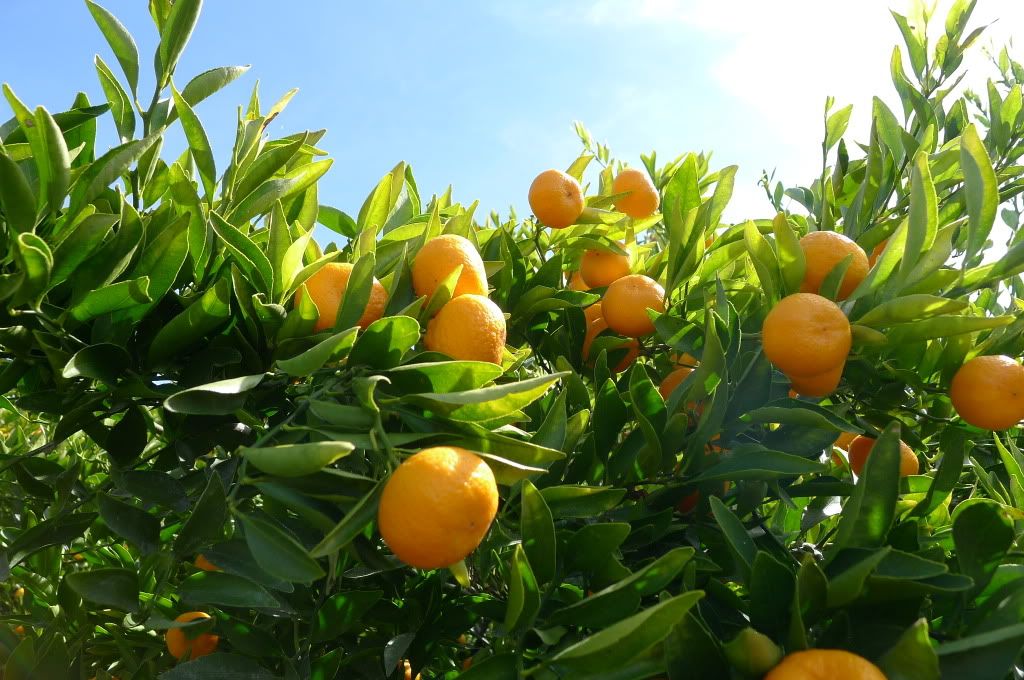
x=806 y=335
x=327 y=287
x=860 y=449
x=556 y=198
x=823 y=250
x=576 y=282
x=597 y=325
x=688 y=503
x=599 y=268
x=684 y=359
x=844 y=440
x=437 y=507
x=178 y=644
x=19 y=630
x=820 y=385
x=824 y=664
x=876 y=252
x=642 y=199
x=673 y=380
x=626 y=303
x=468 y=328
x=439 y=257
x=988 y=392
x=205 y=564
x=19 y=593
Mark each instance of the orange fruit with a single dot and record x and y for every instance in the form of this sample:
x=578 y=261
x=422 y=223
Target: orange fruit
x=437 y=506
x=439 y=257
x=576 y=282
x=860 y=449
x=19 y=593
x=824 y=664
x=626 y=302
x=823 y=250
x=684 y=359
x=806 y=335
x=820 y=385
x=642 y=199
x=468 y=328
x=179 y=645
x=556 y=198
x=327 y=287
x=988 y=392
x=597 y=325
x=599 y=268
x=688 y=503
x=205 y=564
x=19 y=630
x=673 y=380
x=876 y=252
x=844 y=440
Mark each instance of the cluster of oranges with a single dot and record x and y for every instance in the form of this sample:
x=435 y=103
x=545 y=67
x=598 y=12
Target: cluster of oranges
x=556 y=198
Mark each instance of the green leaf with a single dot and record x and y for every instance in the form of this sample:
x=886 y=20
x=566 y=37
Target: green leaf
x=342 y=612
x=835 y=126
x=581 y=501
x=912 y=657
x=134 y=524
x=488 y=403
x=944 y=327
x=357 y=294
x=923 y=219
x=593 y=543
x=216 y=398
x=497 y=667
x=615 y=645
x=104 y=362
x=250 y=258
x=174 y=35
x=112 y=298
x=16 y=196
x=739 y=540
x=58 y=159
x=117 y=588
x=951 y=444
x=205 y=523
x=351 y=525
x=538 y=531
x=262 y=199
x=296 y=460
x=909 y=308
x=36 y=262
x=119 y=100
x=207 y=83
x=981 y=189
x=986 y=656
x=54 y=531
x=442 y=376
x=757 y=464
x=982 y=532
x=218 y=665
x=120 y=41
x=268 y=162
x=847 y=585
x=523 y=593
x=791 y=255
x=105 y=169
x=765 y=262
x=278 y=553
x=385 y=341
x=316 y=357
x=198 y=143
x=202 y=317
x=225 y=590
x=869 y=513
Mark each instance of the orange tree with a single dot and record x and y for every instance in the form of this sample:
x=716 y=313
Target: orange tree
x=219 y=443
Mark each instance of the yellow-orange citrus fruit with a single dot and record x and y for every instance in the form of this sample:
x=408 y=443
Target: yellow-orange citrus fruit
x=820 y=385
x=19 y=593
x=576 y=282
x=806 y=335
x=823 y=250
x=327 y=288
x=599 y=268
x=860 y=449
x=825 y=664
x=688 y=503
x=19 y=629
x=626 y=302
x=437 y=506
x=468 y=328
x=179 y=645
x=205 y=564
x=597 y=325
x=844 y=440
x=556 y=198
x=673 y=380
x=684 y=359
x=642 y=199
x=439 y=257
x=988 y=392
x=876 y=252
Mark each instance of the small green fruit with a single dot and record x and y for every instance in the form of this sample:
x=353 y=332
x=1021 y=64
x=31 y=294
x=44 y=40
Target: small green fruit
x=752 y=653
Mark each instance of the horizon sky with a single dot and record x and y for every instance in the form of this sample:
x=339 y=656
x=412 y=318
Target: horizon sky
x=483 y=95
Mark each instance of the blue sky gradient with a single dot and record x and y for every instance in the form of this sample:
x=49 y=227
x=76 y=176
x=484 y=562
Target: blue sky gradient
x=482 y=95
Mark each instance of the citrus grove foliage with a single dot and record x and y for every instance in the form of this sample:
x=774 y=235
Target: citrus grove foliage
x=197 y=444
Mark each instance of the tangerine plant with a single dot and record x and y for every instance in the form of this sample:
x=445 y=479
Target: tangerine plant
x=220 y=438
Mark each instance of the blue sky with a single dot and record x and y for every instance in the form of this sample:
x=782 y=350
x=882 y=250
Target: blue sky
x=482 y=94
